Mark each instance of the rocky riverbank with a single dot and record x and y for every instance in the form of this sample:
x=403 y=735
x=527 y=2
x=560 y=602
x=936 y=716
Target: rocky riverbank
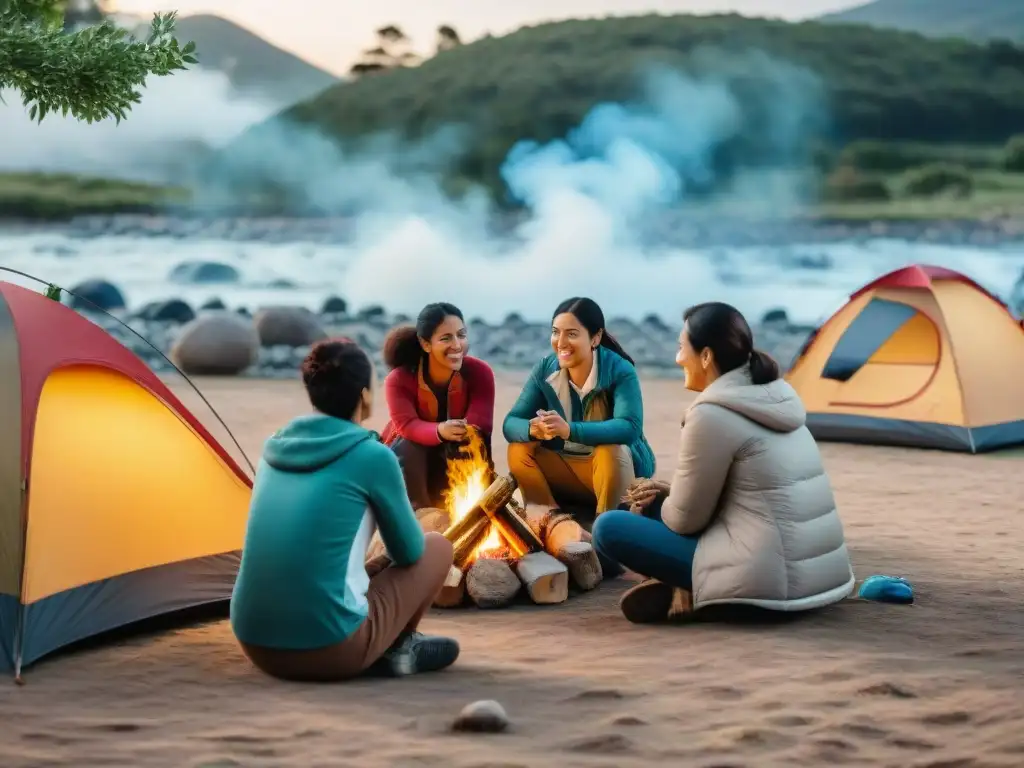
x=272 y=341
x=670 y=229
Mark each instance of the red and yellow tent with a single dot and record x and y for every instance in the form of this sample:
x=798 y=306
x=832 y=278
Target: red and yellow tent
x=116 y=504
x=922 y=356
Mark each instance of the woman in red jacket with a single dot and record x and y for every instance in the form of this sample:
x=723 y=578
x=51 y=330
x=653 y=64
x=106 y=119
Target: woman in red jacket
x=435 y=392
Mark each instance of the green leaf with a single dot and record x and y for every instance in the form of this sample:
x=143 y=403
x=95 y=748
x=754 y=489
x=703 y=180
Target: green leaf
x=92 y=74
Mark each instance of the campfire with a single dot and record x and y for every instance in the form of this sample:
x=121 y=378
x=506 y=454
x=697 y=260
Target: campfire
x=501 y=548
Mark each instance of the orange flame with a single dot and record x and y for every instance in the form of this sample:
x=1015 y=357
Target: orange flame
x=469 y=475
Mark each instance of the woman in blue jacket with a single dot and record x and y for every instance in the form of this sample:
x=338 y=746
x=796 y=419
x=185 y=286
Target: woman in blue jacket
x=576 y=432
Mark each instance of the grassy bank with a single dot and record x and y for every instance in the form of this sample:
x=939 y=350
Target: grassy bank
x=987 y=193
x=42 y=197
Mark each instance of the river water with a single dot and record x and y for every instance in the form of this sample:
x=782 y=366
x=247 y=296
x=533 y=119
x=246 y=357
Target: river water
x=808 y=280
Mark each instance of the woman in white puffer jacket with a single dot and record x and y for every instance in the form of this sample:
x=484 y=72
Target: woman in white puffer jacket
x=748 y=516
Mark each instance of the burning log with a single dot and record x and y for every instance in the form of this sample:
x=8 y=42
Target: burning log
x=496 y=496
x=453 y=591
x=499 y=547
x=516 y=531
x=546 y=578
x=565 y=539
x=491 y=583
x=466 y=544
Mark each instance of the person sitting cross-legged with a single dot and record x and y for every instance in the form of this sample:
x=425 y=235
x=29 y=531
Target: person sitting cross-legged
x=749 y=516
x=306 y=605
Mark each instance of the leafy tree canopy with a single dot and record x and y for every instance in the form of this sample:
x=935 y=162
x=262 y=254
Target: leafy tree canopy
x=91 y=74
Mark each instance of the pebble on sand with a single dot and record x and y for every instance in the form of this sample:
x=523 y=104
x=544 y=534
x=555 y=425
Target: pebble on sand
x=486 y=716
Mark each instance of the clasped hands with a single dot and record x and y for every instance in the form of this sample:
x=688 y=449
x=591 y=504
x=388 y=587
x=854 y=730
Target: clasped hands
x=642 y=492
x=547 y=425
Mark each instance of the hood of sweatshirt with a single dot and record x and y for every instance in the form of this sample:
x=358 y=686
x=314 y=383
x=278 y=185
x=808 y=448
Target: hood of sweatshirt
x=775 y=405
x=311 y=442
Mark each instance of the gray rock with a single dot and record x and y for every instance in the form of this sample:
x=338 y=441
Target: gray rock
x=373 y=312
x=216 y=344
x=655 y=323
x=334 y=305
x=486 y=716
x=204 y=272
x=172 y=311
x=93 y=294
x=288 y=327
x=282 y=282
x=775 y=317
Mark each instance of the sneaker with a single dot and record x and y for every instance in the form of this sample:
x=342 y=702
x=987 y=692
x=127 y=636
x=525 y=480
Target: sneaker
x=648 y=602
x=415 y=652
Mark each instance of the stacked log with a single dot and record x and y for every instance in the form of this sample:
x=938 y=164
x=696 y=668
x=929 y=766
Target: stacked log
x=542 y=552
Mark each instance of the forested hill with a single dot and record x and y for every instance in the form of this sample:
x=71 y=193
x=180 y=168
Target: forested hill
x=539 y=82
x=974 y=19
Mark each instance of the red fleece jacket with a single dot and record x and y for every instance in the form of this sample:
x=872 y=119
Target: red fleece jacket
x=413 y=408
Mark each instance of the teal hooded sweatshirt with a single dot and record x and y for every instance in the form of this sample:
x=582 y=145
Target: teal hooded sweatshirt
x=323 y=486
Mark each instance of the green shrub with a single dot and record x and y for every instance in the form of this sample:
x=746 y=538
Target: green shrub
x=937 y=179
x=847 y=184
x=1013 y=154
x=899 y=156
x=61 y=196
x=879 y=156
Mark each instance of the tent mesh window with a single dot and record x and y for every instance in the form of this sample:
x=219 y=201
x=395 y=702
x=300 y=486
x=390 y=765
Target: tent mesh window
x=874 y=326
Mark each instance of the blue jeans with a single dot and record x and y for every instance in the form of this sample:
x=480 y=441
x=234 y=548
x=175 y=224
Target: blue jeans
x=645 y=545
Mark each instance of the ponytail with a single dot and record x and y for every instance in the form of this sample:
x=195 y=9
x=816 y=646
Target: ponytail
x=763 y=368
x=402 y=348
x=610 y=342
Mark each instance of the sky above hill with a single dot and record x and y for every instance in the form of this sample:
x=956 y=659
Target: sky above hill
x=330 y=34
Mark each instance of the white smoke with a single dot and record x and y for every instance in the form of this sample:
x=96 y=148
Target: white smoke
x=179 y=116
x=593 y=201
x=601 y=203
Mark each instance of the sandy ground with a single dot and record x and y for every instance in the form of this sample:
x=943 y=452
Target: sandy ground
x=938 y=684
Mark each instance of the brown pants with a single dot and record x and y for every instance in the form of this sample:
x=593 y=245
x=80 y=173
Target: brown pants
x=397 y=597
x=552 y=479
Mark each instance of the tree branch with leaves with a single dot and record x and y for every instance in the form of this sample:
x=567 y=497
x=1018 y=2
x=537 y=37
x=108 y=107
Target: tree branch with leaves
x=92 y=74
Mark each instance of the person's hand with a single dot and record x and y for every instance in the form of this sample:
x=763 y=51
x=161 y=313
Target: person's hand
x=377 y=564
x=642 y=492
x=537 y=429
x=453 y=430
x=555 y=425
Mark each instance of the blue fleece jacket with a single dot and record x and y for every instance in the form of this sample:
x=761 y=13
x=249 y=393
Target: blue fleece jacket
x=617 y=382
x=323 y=486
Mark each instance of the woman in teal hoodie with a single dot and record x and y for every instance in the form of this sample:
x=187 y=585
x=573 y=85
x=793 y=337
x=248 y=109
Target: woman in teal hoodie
x=576 y=432
x=306 y=604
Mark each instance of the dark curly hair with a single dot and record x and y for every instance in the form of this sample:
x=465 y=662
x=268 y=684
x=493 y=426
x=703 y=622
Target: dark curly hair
x=335 y=372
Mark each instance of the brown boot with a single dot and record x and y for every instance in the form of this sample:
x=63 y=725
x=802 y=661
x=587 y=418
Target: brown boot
x=648 y=602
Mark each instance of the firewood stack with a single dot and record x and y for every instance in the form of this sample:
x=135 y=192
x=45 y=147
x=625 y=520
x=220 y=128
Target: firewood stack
x=541 y=551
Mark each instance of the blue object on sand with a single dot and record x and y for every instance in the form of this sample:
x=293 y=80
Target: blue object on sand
x=886 y=589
